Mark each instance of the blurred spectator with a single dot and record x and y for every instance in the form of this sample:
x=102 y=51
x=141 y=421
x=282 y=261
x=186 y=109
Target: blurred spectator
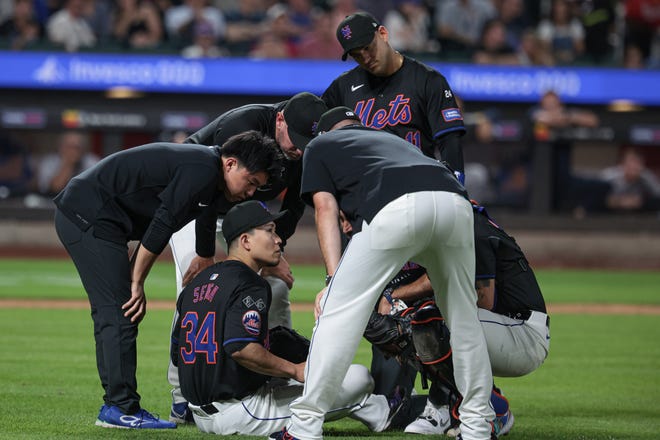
x=98 y=14
x=633 y=186
x=244 y=26
x=552 y=122
x=513 y=15
x=493 y=47
x=56 y=169
x=275 y=43
x=378 y=9
x=300 y=17
x=642 y=25
x=204 y=43
x=6 y=9
x=321 y=41
x=21 y=28
x=137 y=24
x=15 y=169
x=176 y=136
x=341 y=9
x=408 y=25
x=598 y=20
x=532 y=52
x=633 y=58
x=551 y=113
x=459 y=23
x=180 y=20
x=562 y=33
x=68 y=27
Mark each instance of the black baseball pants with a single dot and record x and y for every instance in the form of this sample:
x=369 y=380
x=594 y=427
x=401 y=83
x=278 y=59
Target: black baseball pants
x=104 y=269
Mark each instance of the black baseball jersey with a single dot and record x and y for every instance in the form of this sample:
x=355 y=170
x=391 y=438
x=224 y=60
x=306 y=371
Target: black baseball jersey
x=221 y=311
x=365 y=169
x=147 y=193
x=259 y=117
x=415 y=103
x=498 y=256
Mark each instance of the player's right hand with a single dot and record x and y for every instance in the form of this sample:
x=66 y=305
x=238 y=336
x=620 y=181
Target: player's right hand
x=197 y=265
x=300 y=372
x=317 y=303
x=136 y=307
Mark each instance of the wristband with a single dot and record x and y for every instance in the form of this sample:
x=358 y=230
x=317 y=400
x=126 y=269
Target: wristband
x=387 y=294
x=328 y=278
x=460 y=177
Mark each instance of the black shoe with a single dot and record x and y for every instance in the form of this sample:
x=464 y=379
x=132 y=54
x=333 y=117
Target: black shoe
x=399 y=402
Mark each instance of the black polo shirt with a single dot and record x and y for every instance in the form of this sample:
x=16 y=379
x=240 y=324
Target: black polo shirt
x=259 y=117
x=365 y=169
x=147 y=193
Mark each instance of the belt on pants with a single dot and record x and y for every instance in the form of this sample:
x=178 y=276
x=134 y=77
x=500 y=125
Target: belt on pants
x=532 y=315
x=209 y=409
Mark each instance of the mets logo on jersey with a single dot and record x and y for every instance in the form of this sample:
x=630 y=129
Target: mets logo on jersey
x=346 y=32
x=452 y=114
x=252 y=322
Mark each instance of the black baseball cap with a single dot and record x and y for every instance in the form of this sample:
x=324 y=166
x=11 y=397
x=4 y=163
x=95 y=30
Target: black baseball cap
x=356 y=30
x=301 y=114
x=335 y=115
x=245 y=216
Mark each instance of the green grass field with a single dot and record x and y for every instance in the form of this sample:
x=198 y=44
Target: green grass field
x=601 y=380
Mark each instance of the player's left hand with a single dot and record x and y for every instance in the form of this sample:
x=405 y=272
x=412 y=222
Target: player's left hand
x=281 y=271
x=197 y=265
x=136 y=307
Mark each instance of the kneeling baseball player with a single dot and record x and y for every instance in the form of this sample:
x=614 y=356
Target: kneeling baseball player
x=512 y=313
x=230 y=373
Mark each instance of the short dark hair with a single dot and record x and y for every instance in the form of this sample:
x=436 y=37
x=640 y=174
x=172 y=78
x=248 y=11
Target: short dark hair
x=256 y=152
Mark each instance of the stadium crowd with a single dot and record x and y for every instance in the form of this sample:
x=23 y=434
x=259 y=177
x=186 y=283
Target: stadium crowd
x=606 y=33
x=620 y=33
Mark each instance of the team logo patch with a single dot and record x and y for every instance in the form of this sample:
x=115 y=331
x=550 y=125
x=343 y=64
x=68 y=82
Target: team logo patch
x=252 y=322
x=346 y=32
x=452 y=114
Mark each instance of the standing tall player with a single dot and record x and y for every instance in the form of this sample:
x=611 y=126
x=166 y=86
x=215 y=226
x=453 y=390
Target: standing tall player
x=393 y=92
x=396 y=93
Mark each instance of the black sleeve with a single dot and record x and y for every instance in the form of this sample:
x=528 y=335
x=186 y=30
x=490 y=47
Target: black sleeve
x=188 y=187
x=294 y=205
x=448 y=149
x=203 y=136
x=247 y=324
x=485 y=247
x=174 y=346
x=331 y=96
x=205 y=226
x=316 y=176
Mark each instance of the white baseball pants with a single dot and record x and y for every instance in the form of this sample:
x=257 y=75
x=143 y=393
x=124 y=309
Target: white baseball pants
x=267 y=410
x=434 y=229
x=515 y=347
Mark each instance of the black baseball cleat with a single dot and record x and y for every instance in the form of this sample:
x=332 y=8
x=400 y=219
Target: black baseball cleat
x=282 y=435
x=398 y=403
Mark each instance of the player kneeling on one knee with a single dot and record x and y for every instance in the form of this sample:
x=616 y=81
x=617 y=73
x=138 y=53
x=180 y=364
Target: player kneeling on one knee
x=230 y=373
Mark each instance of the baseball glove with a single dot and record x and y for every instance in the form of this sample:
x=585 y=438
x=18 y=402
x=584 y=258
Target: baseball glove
x=390 y=333
x=288 y=344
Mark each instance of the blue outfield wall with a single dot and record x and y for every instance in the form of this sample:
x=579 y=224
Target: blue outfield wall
x=155 y=73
